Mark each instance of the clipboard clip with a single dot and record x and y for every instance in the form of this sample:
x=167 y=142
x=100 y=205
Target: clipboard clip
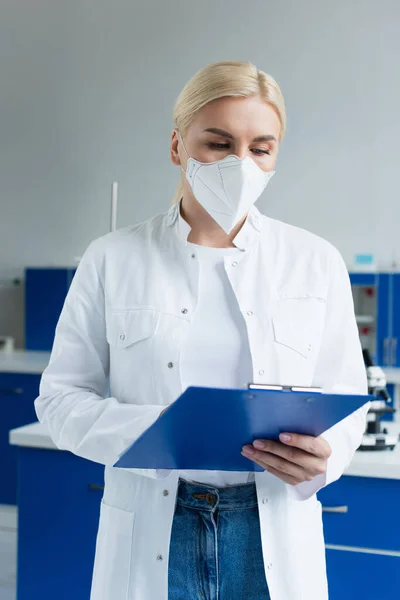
x=284 y=388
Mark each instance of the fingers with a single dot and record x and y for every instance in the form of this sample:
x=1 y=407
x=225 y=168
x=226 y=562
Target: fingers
x=283 y=476
x=309 y=462
x=316 y=446
x=273 y=462
x=294 y=459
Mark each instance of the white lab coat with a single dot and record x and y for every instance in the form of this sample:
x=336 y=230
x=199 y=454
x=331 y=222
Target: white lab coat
x=115 y=366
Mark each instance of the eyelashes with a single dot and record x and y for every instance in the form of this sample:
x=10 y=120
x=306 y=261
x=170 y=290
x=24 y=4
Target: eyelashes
x=225 y=146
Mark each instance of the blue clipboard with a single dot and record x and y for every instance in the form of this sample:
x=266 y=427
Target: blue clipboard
x=206 y=428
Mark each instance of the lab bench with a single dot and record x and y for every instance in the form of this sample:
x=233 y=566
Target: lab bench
x=362 y=536
x=58 y=515
x=362 y=527
x=20 y=374
x=59 y=502
x=59 y=497
x=21 y=370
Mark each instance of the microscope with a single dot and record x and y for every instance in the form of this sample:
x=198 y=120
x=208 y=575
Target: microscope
x=376 y=437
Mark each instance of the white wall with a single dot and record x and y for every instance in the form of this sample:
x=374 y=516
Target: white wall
x=87 y=88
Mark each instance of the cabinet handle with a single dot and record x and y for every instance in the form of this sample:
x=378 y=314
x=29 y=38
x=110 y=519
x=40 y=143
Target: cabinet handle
x=94 y=486
x=340 y=510
x=394 y=352
x=386 y=343
x=11 y=391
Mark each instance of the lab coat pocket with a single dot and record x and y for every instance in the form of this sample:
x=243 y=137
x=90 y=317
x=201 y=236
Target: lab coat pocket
x=112 y=568
x=131 y=334
x=128 y=327
x=298 y=324
x=289 y=335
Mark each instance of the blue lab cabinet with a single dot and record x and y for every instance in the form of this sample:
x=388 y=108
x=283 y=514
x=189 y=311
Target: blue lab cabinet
x=59 y=496
x=45 y=292
x=17 y=394
x=362 y=545
x=377 y=306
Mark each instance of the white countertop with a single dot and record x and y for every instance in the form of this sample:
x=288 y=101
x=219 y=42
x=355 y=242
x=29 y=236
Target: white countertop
x=392 y=375
x=385 y=465
x=35 y=435
x=24 y=361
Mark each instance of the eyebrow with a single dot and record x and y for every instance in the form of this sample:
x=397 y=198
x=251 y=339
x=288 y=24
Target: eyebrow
x=222 y=133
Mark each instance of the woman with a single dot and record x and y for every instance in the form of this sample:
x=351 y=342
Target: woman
x=211 y=293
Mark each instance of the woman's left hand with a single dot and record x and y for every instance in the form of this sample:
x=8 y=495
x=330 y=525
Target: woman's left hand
x=294 y=459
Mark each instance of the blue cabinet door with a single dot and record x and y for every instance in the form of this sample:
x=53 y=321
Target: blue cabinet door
x=379 y=312
x=362 y=576
x=17 y=395
x=45 y=292
x=59 y=499
x=361 y=523
x=387 y=289
x=364 y=279
x=396 y=320
x=383 y=329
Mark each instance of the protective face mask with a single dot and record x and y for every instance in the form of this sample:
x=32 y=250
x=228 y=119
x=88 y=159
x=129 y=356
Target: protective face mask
x=226 y=188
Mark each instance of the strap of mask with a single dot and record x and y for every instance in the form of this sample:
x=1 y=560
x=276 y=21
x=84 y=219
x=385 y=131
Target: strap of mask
x=184 y=147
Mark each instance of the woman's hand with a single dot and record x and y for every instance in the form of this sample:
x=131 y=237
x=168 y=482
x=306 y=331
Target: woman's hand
x=294 y=459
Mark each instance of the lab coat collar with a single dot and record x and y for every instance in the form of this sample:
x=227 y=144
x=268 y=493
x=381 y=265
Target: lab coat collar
x=248 y=234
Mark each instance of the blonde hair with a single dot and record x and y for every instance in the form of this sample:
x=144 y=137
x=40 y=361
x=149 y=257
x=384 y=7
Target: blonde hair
x=221 y=80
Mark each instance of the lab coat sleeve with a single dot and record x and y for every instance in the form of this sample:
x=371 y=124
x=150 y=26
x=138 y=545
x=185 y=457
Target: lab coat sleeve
x=73 y=400
x=340 y=369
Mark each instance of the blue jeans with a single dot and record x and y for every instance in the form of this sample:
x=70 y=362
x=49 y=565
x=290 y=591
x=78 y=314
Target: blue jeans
x=215 y=551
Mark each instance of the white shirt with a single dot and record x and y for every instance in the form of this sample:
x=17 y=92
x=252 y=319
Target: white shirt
x=216 y=352
x=116 y=364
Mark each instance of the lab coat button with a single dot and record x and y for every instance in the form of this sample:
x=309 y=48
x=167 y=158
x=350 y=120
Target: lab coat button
x=122 y=336
x=269 y=566
x=261 y=372
x=193 y=256
x=160 y=557
x=170 y=365
x=234 y=264
x=250 y=313
x=184 y=311
x=265 y=500
x=165 y=493
x=309 y=347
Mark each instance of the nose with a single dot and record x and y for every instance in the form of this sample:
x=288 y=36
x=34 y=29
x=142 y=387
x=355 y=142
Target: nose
x=242 y=151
